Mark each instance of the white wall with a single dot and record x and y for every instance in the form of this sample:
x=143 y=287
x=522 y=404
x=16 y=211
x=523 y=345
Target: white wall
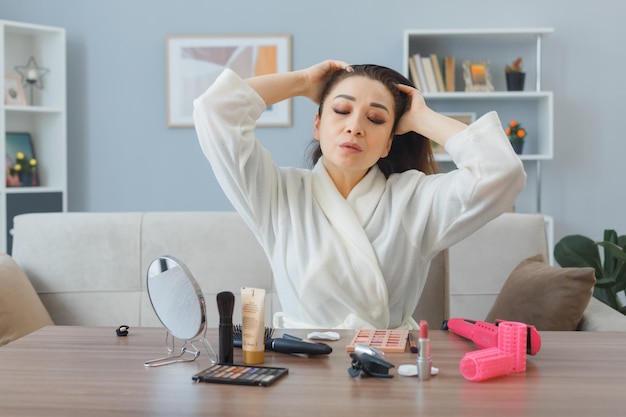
x=123 y=157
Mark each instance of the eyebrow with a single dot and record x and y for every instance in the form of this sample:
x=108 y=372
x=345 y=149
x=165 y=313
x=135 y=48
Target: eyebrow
x=373 y=104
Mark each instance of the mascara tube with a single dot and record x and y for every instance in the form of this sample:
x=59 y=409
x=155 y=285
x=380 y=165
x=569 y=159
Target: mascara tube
x=424 y=361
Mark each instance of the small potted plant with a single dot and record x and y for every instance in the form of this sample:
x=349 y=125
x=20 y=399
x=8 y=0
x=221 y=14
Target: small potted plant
x=515 y=76
x=516 y=134
x=23 y=169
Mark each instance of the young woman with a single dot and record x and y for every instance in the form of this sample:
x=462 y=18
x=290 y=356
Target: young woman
x=350 y=241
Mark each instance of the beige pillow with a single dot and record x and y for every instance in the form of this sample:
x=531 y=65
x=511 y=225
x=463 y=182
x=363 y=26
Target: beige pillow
x=21 y=310
x=549 y=298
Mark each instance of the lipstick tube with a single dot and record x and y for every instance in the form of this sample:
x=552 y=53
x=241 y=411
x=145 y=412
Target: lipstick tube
x=424 y=361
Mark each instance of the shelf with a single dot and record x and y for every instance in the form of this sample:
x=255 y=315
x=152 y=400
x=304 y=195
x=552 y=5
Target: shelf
x=33 y=190
x=44 y=118
x=497 y=46
x=532 y=107
x=494 y=95
x=524 y=157
x=34 y=109
x=501 y=33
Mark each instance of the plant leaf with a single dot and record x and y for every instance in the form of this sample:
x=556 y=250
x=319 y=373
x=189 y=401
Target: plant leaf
x=610 y=263
x=607 y=297
x=614 y=250
x=606 y=282
x=578 y=251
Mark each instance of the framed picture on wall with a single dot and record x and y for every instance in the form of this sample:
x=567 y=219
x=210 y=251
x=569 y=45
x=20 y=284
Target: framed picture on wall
x=13 y=91
x=194 y=62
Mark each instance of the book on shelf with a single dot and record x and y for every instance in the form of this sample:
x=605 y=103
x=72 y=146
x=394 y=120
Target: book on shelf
x=417 y=58
x=438 y=73
x=414 y=74
x=430 y=74
x=449 y=73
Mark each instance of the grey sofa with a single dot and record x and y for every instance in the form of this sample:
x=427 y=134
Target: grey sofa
x=89 y=268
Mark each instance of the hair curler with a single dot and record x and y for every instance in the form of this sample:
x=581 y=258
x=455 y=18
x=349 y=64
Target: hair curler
x=508 y=357
x=485 y=364
x=485 y=335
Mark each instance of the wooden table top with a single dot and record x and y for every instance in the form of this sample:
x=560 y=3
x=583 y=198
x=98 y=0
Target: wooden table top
x=88 y=371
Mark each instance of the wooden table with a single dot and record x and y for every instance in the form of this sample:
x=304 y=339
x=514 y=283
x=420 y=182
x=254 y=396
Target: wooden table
x=84 y=371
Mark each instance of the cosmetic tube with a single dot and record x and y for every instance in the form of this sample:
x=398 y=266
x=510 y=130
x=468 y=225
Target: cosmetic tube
x=253 y=325
x=424 y=361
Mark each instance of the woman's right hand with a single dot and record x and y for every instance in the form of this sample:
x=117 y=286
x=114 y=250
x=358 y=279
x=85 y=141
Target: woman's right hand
x=318 y=75
x=307 y=82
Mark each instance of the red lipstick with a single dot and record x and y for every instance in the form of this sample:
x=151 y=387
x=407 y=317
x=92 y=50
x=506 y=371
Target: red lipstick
x=424 y=361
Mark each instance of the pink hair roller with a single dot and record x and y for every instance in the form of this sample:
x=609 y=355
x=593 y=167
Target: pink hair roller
x=508 y=357
x=512 y=340
x=485 y=364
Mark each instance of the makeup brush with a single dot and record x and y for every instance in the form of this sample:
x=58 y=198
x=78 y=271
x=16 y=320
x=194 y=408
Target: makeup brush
x=283 y=345
x=225 y=307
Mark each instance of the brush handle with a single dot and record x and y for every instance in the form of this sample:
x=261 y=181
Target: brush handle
x=292 y=346
x=297 y=346
x=226 y=343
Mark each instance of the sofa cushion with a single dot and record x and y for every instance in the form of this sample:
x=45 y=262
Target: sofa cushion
x=21 y=310
x=548 y=297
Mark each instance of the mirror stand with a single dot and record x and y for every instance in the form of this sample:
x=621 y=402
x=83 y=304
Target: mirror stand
x=188 y=352
x=178 y=302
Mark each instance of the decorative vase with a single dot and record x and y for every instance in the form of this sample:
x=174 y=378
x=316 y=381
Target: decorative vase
x=27 y=179
x=515 y=81
x=518 y=147
x=13 y=180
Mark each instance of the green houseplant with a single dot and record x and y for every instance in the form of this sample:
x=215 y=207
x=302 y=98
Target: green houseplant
x=516 y=134
x=515 y=75
x=581 y=251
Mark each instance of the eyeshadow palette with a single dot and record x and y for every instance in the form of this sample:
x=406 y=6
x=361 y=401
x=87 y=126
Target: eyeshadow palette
x=240 y=375
x=385 y=340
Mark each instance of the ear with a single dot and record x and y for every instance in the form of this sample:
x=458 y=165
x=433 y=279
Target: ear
x=385 y=152
x=316 y=127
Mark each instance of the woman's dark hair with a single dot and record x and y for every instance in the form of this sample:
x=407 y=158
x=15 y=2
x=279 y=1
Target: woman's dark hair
x=408 y=151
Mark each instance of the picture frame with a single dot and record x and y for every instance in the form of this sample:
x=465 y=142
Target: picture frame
x=477 y=76
x=194 y=62
x=464 y=117
x=13 y=91
x=19 y=142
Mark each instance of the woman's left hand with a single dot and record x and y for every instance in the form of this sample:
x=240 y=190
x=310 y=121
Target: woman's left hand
x=409 y=122
x=419 y=118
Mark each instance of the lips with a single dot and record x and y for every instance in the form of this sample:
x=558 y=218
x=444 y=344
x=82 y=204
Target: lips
x=351 y=147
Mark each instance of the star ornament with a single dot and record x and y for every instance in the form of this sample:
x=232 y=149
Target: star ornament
x=31 y=73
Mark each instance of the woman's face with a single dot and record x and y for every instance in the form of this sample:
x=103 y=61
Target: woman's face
x=355 y=128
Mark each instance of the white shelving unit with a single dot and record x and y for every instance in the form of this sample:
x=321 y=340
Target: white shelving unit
x=44 y=118
x=533 y=107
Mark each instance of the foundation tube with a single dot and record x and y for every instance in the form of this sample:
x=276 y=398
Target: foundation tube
x=253 y=325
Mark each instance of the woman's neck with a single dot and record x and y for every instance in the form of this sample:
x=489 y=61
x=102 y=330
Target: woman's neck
x=344 y=180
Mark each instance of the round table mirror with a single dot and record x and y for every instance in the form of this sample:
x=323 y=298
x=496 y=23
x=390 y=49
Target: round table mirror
x=179 y=304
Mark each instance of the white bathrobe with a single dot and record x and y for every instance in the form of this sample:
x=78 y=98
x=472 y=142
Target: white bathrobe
x=359 y=262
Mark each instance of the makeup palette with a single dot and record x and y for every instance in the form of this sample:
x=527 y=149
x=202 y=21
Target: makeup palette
x=385 y=340
x=240 y=374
